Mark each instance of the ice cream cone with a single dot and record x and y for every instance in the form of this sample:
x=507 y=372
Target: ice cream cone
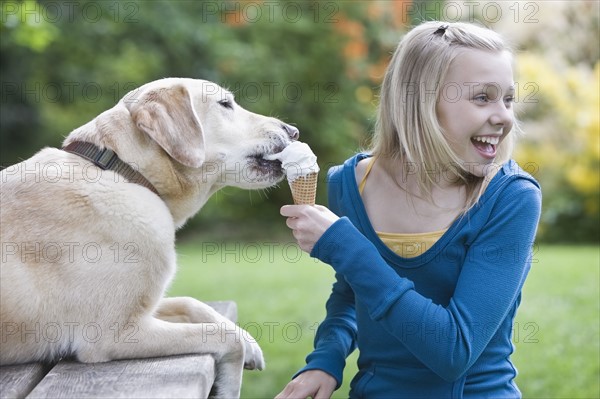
x=304 y=189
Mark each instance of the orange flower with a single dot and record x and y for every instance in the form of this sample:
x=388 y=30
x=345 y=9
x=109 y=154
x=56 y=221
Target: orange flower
x=400 y=10
x=377 y=70
x=356 y=49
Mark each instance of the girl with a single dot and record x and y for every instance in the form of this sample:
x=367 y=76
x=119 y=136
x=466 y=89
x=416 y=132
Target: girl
x=431 y=231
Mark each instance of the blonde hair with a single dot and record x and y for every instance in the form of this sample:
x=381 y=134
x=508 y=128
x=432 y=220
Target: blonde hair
x=407 y=128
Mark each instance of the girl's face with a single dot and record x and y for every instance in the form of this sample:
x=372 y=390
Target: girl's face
x=475 y=106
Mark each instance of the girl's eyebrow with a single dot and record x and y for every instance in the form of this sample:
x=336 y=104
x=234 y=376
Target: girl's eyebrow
x=478 y=85
x=496 y=85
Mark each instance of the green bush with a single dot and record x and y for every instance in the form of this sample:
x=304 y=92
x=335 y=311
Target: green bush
x=316 y=65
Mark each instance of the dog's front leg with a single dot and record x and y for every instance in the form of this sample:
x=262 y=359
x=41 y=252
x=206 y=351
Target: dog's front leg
x=190 y=310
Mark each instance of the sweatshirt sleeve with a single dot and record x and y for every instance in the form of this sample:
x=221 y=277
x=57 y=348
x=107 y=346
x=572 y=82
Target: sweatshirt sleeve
x=492 y=275
x=335 y=338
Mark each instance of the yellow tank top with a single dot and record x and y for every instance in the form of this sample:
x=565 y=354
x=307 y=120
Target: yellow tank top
x=405 y=245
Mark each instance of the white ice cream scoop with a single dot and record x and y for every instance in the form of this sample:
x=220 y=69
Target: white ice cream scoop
x=297 y=160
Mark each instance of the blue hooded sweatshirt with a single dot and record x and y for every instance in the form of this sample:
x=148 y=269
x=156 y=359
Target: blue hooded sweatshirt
x=437 y=325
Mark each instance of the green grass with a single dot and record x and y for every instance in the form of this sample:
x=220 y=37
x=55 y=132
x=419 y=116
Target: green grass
x=281 y=292
x=558 y=351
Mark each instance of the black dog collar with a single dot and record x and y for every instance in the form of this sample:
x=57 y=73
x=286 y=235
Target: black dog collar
x=108 y=160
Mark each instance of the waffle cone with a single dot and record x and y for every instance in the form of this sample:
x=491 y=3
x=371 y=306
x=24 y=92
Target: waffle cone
x=304 y=189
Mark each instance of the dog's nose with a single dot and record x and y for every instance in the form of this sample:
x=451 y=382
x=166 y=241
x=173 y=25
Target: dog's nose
x=292 y=132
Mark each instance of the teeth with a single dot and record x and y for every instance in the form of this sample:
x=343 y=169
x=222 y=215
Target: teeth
x=493 y=140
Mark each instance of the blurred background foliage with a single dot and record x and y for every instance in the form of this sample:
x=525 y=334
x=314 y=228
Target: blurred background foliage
x=317 y=65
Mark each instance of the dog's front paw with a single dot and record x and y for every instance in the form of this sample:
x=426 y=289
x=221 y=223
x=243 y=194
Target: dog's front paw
x=253 y=358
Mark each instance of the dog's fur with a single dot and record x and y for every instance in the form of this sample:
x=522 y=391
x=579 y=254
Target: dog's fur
x=87 y=255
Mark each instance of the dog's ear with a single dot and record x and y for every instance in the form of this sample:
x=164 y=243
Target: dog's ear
x=168 y=117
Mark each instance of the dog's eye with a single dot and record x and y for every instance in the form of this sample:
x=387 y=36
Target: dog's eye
x=226 y=103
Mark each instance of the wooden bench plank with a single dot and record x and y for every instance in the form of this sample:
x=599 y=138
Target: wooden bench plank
x=17 y=381
x=187 y=376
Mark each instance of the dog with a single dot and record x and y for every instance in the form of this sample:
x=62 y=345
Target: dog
x=88 y=231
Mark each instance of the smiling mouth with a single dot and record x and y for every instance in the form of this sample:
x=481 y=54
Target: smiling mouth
x=486 y=145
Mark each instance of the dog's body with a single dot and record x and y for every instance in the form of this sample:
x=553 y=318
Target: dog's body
x=87 y=255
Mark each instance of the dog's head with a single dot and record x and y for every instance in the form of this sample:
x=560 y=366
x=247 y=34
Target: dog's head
x=200 y=126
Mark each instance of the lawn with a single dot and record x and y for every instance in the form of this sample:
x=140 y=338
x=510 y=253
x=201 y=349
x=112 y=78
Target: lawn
x=280 y=293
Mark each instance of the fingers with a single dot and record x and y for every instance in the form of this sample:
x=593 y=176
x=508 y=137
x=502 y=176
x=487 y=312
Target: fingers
x=296 y=391
x=291 y=222
x=291 y=211
x=308 y=223
x=311 y=384
x=303 y=391
x=298 y=219
x=324 y=393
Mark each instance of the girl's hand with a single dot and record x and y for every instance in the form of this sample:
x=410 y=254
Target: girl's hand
x=308 y=223
x=315 y=384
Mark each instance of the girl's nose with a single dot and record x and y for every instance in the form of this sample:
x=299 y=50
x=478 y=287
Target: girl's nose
x=503 y=114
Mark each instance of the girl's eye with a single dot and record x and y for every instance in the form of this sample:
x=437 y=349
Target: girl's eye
x=226 y=103
x=481 y=98
x=509 y=100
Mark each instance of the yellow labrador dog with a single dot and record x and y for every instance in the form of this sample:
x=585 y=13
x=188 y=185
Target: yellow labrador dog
x=88 y=231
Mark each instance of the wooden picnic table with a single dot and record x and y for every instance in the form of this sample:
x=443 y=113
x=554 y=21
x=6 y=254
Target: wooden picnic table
x=184 y=376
